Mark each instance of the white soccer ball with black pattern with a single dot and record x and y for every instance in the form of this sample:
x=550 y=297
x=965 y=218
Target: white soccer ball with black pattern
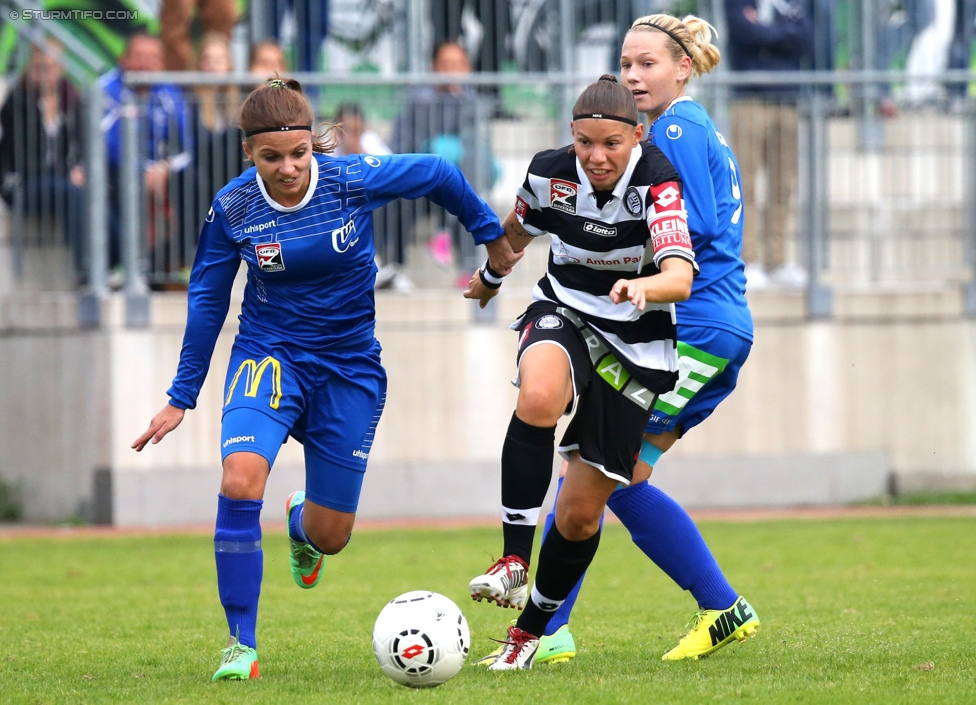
x=421 y=639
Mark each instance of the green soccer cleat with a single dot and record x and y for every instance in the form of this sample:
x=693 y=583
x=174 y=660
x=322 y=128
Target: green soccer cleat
x=238 y=663
x=710 y=630
x=306 y=562
x=557 y=648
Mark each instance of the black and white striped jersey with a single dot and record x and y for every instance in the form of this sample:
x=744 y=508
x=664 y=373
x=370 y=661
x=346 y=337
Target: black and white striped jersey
x=643 y=223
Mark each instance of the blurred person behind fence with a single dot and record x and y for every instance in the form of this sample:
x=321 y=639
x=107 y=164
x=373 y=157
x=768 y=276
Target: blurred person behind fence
x=442 y=119
x=768 y=35
x=165 y=148
x=218 y=156
x=175 y=20
x=266 y=60
x=356 y=137
x=41 y=168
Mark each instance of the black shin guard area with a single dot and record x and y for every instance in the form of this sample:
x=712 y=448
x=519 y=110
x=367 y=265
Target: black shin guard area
x=526 y=473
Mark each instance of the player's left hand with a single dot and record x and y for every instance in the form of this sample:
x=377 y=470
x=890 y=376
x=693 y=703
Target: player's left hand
x=629 y=290
x=477 y=290
x=162 y=423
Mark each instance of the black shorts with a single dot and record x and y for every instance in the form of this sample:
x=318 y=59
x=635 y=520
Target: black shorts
x=610 y=409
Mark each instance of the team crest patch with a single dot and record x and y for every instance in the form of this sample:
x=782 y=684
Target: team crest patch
x=562 y=195
x=549 y=322
x=269 y=257
x=632 y=201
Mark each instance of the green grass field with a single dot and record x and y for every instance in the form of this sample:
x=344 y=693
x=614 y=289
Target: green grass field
x=853 y=611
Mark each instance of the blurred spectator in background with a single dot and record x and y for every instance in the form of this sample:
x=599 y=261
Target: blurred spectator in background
x=356 y=138
x=41 y=169
x=768 y=35
x=165 y=143
x=487 y=41
x=444 y=120
x=175 y=17
x=311 y=23
x=218 y=155
x=266 y=60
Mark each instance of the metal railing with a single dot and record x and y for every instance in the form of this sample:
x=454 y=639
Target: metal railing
x=878 y=200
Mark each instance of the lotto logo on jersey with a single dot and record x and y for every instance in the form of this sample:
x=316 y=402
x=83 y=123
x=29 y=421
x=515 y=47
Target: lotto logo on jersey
x=562 y=196
x=269 y=257
x=521 y=207
x=670 y=231
x=667 y=197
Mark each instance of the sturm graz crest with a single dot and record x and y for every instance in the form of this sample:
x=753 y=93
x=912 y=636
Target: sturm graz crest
x=632 y=201
x=549 y=322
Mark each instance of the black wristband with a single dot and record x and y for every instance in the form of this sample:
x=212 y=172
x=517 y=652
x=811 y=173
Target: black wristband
x=489 y=277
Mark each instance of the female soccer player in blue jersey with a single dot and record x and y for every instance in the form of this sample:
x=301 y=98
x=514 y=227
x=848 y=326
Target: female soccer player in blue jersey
x=660 y=55
x=305 y=362
x=598 y=342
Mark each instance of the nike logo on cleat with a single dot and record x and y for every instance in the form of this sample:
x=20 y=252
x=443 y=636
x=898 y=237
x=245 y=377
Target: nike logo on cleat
x=314 y=575
x=729 y=621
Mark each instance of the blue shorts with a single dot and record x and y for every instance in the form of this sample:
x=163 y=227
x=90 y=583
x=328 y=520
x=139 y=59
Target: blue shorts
x=709 y=360
x=331 y=403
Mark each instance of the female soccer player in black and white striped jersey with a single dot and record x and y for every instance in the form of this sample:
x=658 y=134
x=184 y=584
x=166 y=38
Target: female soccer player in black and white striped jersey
x=597 y=343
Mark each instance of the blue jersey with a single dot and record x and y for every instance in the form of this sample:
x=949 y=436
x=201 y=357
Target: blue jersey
x=713 y=199
x=310 y=268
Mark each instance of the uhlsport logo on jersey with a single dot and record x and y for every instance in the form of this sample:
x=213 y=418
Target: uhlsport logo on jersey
x=562 y=195
x=261 y=227
x=597 y=229
x=667 y=197
x=633 y=202
x=673 y=132
x=343 y=238
x=269 y=257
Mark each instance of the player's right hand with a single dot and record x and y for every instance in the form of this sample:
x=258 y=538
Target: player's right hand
x=162 y=423
x=477 y=290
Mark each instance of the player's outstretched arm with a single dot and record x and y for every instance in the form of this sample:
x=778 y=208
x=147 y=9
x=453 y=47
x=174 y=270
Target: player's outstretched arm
x=162 y=423
x=671 y=285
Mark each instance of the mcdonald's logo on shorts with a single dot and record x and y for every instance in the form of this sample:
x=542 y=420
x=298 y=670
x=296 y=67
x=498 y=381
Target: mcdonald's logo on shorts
x=253 y=372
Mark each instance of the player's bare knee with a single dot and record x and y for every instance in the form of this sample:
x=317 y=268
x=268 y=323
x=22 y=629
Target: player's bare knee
x=538 y=406
x=578 y=523
x=327 y=540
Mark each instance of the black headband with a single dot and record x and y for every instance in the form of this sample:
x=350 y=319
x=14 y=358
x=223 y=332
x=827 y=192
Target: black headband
x=602 y=116
x=670 y=34
x=281 y=128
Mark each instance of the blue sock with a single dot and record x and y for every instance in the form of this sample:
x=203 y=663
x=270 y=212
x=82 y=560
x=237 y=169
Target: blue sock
x=296 y=527
x=240 y=564
x=296 y=524
x=560 y=617
x=668 y=536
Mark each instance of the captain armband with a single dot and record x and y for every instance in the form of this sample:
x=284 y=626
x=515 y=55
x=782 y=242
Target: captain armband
x=489 y=277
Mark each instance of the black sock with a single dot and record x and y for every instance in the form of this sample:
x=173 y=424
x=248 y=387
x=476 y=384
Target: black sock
x=526 y=472
x=561 y=565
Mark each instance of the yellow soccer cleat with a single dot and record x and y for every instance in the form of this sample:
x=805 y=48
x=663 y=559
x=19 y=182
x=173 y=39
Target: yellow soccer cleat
x=710 y=630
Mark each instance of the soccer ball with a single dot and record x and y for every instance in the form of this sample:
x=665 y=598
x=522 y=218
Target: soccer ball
x=421 y=639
